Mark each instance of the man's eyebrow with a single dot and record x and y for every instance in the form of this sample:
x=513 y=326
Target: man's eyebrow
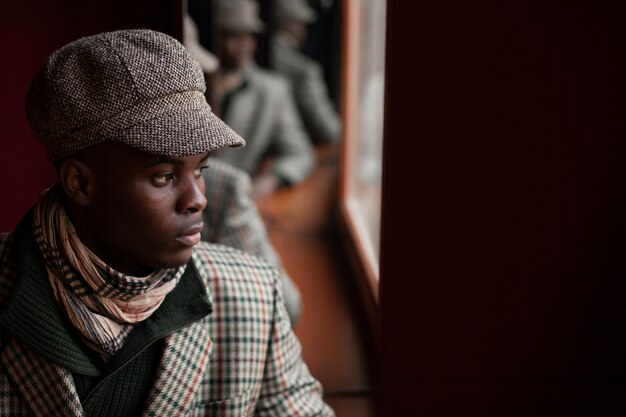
x=163 y=159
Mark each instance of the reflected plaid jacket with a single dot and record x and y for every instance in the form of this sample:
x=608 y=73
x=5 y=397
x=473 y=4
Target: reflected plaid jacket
x=309 y=90
x=240 y=360
x=231 y=218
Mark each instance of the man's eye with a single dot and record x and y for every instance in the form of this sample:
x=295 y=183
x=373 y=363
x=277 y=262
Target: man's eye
x=199 y=170
x=163 y=179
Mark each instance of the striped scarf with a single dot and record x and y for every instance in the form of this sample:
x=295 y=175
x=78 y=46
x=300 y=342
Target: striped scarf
x=103 y=304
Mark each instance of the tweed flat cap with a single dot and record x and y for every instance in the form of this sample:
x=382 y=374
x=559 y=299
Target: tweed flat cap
x=140 y=88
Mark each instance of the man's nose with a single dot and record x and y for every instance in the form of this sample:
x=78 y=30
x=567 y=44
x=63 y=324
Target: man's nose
x=192 y=198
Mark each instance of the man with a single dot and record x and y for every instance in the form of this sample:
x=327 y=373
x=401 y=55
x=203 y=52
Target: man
x=304 y=74
x=109 y=303
x=231 y=218
x=257 y=104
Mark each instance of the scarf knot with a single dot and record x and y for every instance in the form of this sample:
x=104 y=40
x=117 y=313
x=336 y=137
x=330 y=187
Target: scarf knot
x=102 y=303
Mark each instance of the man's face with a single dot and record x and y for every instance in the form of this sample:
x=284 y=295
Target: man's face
x=146 y=211
x=297 y=30
x=237 y=48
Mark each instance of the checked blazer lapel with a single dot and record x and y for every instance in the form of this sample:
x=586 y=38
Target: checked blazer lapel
x=185 y=358
x=48 y=388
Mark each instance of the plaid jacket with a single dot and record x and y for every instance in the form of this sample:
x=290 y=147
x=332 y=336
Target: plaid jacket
x=241 y=360
x=231 y=218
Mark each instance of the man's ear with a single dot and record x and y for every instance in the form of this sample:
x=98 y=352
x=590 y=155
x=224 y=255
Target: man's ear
x=78 y=181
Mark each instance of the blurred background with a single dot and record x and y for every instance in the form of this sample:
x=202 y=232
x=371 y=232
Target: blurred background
x=469 y=264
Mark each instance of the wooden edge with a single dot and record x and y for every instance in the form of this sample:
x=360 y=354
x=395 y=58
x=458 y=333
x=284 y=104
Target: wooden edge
x=366 y=281
x=366 y=297
x=349 y=113
x=353 y=223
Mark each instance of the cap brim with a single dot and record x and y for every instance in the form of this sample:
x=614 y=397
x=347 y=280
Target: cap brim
x=174 y=125
x=298 y=14
x=181 y=132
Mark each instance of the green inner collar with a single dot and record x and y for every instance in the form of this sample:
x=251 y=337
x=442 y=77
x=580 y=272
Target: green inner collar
x=35 y=319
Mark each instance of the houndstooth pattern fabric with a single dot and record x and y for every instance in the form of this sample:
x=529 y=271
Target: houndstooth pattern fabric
x=25 y=368
x=241 y=360
x=231 y=218
x=140 y=88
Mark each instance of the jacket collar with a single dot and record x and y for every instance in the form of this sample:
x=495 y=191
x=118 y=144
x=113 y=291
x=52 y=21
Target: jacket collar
x=185 y=357
x=50 y=389
x=33 y=316
x=48 y=384
x=185 y=360
x=47 y=387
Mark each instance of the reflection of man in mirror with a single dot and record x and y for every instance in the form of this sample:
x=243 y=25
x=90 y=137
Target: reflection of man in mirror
x=230 y=216
x=110 y=303
x=258 y=105
x=309 y=88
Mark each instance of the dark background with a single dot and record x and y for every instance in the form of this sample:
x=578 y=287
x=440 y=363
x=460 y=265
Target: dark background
x=503 y=273
x=502 y=265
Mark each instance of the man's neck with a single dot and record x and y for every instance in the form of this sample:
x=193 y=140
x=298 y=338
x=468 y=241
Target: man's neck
x=82 y=224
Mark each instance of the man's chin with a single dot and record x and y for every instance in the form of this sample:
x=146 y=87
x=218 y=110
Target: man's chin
x=174 y=260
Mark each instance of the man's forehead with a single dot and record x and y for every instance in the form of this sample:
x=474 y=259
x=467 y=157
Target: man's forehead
x=180 y=160
x=116 y=153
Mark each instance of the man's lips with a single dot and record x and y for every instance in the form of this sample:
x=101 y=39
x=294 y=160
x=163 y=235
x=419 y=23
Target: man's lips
x=190 y=236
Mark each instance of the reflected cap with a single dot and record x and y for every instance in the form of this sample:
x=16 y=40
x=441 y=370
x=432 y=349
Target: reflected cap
x=294 y=10
x=139 y=88
x=239 y=16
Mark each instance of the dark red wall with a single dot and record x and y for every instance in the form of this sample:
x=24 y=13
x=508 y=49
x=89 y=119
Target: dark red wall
x=503 y=275
x=27 y=37
x=30 y=31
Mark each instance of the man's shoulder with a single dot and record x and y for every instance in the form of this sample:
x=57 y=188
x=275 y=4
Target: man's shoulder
x=9 y=268
x=5 y=238
x=5 y=241
x=294 y=62
x=223 y=265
